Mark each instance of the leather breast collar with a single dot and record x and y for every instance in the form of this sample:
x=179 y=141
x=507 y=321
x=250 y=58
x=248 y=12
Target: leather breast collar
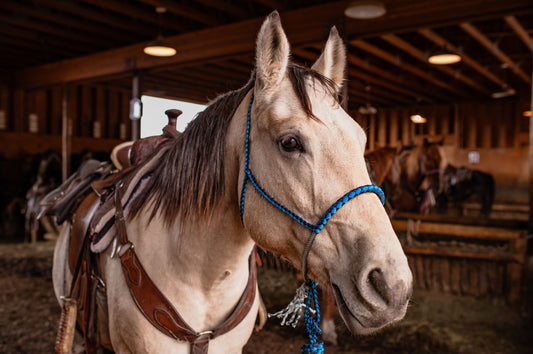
x=157 y=308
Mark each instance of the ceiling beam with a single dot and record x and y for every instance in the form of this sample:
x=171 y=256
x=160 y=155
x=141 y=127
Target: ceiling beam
x=408 y=16
x=520 y=31
x=442 y=42
x=493 y=49
x=370 y=79
x=224 y=41
x=420 y=55
x=186 y=11
x=369 y=48
x=239 y=38
x=138 y=14
x=420 y=92
x=82 y=11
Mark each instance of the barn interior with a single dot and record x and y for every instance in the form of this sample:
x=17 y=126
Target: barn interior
x=71 y=71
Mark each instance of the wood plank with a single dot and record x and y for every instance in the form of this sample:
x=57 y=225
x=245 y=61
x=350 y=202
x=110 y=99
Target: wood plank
x=454 y=253
x=461 y=231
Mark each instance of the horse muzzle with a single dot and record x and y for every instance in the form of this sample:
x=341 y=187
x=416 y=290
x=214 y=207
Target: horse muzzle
x=375 y=299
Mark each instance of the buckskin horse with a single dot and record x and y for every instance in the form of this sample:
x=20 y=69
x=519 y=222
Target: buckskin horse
x=172 y=237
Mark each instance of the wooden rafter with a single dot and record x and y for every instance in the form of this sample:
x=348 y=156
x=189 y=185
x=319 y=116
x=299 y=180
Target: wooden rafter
x=417 y=89
x=420 y=55
x=442 y=42
x=366 y=78
x=185 y=11
x=492 y=48
x=136 y=13
x=85 y=12
x=72 y=24
x=520 y=31
x=369 y=48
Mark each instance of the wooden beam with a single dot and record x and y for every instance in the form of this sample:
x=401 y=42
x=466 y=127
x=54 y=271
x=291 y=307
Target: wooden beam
x=520 y=31
x=363 y=76
x=369 y=48
x=408 y=16
x=420 y=55
x=112 y=21
x=442 y=42
x=461 y=231
x=186 y=11
x=194 y=47
x=82 y=28
x=419 y=92
x=493 y=49
x=138 y=14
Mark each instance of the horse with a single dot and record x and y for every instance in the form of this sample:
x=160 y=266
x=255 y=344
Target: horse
x=380 y=162
x=47 y=178
x=458 y=184
x=415 y=177
x=186 y=220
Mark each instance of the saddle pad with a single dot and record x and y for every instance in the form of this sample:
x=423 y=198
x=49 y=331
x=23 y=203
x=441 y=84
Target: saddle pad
x=102 y=226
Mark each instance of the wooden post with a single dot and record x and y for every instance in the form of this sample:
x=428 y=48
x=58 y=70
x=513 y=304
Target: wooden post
x=135 y=95
x=530 y=226
x=66 y=134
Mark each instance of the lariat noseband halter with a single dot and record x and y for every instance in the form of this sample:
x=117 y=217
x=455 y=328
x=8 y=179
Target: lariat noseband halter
x=307 y=292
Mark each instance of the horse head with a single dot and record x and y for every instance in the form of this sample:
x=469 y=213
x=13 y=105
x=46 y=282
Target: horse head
x=305 y=152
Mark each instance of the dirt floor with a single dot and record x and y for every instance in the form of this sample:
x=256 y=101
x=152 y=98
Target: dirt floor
x=435 y=323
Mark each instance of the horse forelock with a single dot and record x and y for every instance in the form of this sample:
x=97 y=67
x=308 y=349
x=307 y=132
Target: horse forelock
x=189 y=180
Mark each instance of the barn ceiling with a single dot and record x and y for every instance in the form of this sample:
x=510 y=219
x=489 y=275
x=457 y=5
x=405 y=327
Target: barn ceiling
x=50 y=42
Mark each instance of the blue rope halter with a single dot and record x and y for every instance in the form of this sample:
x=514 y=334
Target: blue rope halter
x=308 y=291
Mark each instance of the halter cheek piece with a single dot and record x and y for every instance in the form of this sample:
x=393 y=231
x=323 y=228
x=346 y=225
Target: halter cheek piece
x=307 y=292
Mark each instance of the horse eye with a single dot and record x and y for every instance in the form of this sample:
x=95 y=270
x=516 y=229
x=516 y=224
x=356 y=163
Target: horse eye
x=290 y=143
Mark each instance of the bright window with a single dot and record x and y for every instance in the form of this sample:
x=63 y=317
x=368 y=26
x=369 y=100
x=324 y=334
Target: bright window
x=154 y=119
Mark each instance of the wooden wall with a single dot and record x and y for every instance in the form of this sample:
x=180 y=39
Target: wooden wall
x=496 y=129
x=31 y=120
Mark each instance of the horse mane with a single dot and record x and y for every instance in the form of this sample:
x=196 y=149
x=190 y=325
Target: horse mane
x=189 y=180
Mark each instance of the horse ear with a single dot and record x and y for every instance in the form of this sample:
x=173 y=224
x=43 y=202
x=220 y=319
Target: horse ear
x=272 y=52
x=332 y=61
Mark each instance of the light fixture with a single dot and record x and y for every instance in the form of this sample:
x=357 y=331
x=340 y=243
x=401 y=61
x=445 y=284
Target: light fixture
x=365 y=9
x=158 y=47
x=444 y=57
x=418 y=119
x=367 y=109
x=526 y=113
x=505 y=93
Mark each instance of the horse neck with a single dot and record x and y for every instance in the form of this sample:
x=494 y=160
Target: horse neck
x=208 y=257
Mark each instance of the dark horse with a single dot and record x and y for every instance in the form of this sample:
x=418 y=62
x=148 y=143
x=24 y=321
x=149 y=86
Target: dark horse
x=458 y=184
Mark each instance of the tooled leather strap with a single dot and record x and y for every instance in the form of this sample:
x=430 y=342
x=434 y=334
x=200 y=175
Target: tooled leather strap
x=157 y=308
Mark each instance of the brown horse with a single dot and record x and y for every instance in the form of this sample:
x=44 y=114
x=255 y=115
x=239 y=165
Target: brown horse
x=414 y=178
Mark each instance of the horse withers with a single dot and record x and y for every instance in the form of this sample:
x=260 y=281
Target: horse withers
x=186 y=227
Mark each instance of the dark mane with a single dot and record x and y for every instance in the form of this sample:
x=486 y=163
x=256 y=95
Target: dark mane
x=189 y=181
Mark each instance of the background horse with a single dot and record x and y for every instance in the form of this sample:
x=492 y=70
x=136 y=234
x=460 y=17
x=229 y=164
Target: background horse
x=414 y=178
x=458 y=184
x=47 y=178
x=190 y=225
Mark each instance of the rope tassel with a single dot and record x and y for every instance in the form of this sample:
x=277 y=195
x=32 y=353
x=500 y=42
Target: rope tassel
x=290 y=315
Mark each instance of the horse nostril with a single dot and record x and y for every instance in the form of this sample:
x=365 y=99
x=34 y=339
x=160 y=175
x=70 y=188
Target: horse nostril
x=377 y=280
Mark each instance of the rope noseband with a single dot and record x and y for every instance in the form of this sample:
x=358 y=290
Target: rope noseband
x=307 y=292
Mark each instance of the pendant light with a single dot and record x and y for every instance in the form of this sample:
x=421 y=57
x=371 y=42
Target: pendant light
x=158 y=47
x=365 y=9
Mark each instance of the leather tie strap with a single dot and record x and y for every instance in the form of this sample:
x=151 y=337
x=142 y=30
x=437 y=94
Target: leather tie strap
x=157 y=309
